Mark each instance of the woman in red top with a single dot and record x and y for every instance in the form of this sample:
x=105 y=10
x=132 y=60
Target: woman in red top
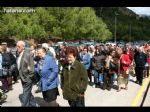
x=123 y=69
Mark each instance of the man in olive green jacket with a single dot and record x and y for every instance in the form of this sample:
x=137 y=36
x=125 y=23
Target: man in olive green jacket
x=74 y=81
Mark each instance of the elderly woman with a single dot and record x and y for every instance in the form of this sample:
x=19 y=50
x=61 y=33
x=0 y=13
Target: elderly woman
x=48 y=69
x=6 y=76
x=74 y=79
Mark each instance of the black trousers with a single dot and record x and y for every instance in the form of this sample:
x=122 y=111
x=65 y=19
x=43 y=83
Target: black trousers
x=89 y=75
x=4 y=81
x=108 y=82
x=79 y=102
x=26 y=98
x=139 y=74
x=147 y=68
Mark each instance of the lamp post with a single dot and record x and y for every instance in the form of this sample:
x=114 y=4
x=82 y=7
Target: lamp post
x=130 y=32
x=115 y=25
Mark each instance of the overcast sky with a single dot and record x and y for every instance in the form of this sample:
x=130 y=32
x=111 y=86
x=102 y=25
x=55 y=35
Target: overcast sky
x=140 y=10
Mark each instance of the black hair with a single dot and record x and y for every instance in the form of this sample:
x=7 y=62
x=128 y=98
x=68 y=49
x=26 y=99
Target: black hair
x=124 y=49
x=44 y=49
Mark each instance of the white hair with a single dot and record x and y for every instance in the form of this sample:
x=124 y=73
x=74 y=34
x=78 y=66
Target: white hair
x=91 y=46
x=21 y=43
x=45 y=45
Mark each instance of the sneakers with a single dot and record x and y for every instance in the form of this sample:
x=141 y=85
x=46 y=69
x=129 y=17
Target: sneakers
x=109 y=88
x=6 y=91
x=138 y=83
x=104 y=87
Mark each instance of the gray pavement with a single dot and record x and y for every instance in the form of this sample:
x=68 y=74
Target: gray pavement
x=93 y=96
x=147 y=99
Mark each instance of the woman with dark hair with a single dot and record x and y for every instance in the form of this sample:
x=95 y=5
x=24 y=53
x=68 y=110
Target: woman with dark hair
x=110 y=68
x=98 y=63
x=74 y=79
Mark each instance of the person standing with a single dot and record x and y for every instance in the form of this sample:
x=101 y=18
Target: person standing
x=3 y=78
x=86 y=60
x=74 y=79
x=123 y=69
x=36 y=61
x=14 y=70
x=51 y=49
x=61 y=57
x=109 y=70
x=8 y=61
x=140 y=60
x=25 y=66
x=98 y=66
x=48 y=70
x=148 y=68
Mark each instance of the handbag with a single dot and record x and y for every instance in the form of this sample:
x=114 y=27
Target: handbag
x=115 y=77
x=113 y=66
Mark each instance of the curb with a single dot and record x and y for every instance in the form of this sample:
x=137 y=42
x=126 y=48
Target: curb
x=140 y=93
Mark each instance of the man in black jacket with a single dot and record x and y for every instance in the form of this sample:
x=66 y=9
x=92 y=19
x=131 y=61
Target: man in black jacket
x=140 y=60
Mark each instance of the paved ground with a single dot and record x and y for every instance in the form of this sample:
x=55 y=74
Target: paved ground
x=93 y=96
x=147 y=99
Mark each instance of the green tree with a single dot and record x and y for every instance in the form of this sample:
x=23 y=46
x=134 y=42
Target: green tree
x=64 y=22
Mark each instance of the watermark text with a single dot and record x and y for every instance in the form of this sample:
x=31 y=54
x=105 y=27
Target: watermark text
x=13 y=10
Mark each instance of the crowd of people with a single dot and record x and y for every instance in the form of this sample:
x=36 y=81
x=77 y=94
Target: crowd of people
x=76 y=66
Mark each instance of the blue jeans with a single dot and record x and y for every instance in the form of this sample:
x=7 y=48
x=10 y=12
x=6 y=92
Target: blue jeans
x=97 y=77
